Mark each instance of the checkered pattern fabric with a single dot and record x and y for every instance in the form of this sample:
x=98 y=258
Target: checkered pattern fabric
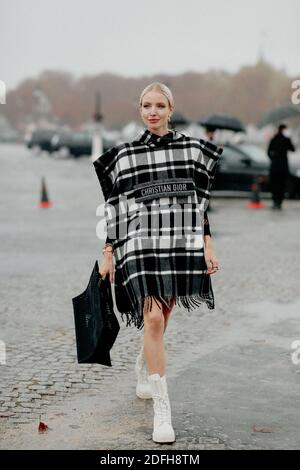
x=156 y=191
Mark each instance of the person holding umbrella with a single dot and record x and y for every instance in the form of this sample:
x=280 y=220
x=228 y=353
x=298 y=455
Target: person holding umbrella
x=165 y=177
x=277 y=151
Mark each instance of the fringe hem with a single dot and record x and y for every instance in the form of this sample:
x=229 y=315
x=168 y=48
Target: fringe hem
x=136 y=317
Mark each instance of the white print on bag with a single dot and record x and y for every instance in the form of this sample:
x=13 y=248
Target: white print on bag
x=295 y=356
x=2 y=353
x=296 y=95
x=2 y=92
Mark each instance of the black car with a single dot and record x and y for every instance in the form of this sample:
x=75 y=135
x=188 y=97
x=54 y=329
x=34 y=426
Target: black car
x=77 y=144
x=73 y=143
x=293 y=186
x=239 y=166
x=40 y=139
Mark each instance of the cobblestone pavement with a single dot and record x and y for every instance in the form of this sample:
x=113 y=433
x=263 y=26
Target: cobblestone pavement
x=228 y=370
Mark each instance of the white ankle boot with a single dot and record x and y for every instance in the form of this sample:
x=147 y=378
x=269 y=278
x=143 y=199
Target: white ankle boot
x=143 y=388
x=163 y=431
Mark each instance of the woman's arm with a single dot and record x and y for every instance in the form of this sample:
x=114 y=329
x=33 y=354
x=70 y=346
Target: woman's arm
x=206 y=224
x=211 y=260
x=107 y=263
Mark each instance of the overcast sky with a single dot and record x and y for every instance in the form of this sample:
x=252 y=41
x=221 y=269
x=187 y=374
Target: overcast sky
x=141 y=37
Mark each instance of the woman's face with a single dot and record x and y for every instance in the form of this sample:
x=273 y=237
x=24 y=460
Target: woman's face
x=155 y=110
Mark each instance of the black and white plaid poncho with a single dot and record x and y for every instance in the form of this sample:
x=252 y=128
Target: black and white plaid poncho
x=156 y=191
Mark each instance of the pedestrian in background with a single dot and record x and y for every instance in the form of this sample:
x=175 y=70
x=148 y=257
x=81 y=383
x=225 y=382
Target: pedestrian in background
x=210 y=133
x=278 y=149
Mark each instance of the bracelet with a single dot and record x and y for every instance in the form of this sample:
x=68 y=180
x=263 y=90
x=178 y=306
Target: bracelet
x=107 y=251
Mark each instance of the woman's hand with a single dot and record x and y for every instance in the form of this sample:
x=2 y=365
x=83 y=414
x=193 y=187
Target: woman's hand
x=107 y=267
x=211 y=260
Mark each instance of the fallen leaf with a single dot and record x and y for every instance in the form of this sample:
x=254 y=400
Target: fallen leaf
x=42 y=426
x=263 y=429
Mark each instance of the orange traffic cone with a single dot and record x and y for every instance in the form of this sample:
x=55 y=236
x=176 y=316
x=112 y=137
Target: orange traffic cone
x=255 y=202
x=44 y=202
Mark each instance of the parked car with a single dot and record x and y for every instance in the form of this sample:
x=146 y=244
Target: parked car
x=293 y=186
x=73 y=143
x=238 y=167
x=77 y=144
x=40 y=139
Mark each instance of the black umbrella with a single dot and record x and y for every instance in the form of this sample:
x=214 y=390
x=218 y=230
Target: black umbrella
x=278 y=114
x=178 y=119
x=222 y=121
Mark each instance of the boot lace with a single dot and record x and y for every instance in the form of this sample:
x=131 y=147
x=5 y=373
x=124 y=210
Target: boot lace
x=162 y=409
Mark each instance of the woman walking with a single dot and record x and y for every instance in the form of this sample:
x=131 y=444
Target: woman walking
x=156 y=190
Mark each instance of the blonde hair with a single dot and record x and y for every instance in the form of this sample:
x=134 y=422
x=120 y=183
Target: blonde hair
x=162 y=88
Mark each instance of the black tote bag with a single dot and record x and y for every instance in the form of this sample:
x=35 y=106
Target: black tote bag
x=96 y=325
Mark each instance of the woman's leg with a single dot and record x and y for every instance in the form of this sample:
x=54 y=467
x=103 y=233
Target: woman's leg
x=155 y=323
x=153 y=340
